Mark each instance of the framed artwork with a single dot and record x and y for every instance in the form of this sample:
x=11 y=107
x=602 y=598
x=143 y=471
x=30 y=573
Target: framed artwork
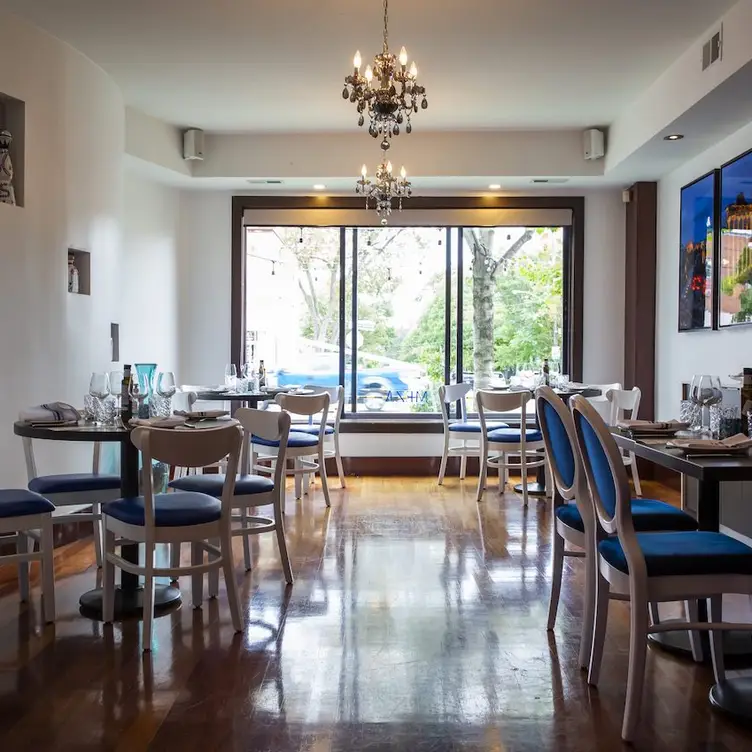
x=696 y=253
x=735 y=262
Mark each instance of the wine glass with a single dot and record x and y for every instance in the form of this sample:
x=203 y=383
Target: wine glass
x=99 y=389
x=166 y=384
x=706 y=391
x=231 y=376
x=137 y=394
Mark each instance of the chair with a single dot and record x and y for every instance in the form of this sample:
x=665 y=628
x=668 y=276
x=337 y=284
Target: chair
x=626 y=401
x=253 y=490
x=301 y=446
x=177 y=517
x=331 y=438
x=601 y=402
x=650 y=567
x=575 y=522
x=77 y=490
x=462 y=430
x=25 y=513
x=515 y=442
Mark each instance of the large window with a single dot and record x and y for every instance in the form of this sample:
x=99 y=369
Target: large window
x=392 y=313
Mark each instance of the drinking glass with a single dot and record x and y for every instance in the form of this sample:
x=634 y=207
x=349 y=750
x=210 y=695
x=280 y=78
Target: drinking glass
x=138 y=394
x=704 y=391
x=99 y=389
x=231 y=376
x=166 y=384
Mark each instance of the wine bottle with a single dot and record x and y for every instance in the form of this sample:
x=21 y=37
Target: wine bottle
x=261 y=374
x=746 y=399
x=126 y=410
x=546 y=373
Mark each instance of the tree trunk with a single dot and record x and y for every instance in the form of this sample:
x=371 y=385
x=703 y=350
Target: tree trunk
x=483 y=305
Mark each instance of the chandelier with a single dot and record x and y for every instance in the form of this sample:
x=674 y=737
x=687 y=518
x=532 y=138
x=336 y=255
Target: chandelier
x=383 y=188
x=388 y=90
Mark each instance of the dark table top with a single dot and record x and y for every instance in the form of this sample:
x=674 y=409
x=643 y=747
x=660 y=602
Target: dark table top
x=82 y=432
x=704 y=468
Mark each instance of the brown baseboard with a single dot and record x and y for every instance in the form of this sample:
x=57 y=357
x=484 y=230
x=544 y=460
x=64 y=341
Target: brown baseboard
x=404 y=466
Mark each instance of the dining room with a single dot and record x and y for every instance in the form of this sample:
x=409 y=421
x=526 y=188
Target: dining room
x=455 y=455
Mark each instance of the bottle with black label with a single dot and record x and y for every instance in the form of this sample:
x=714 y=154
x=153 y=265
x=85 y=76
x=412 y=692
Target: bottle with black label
x=746 y=399
x=126 y=410
x=261 y=375
x=546 y=373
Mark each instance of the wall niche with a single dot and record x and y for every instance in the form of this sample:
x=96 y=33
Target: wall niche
x=13 y=119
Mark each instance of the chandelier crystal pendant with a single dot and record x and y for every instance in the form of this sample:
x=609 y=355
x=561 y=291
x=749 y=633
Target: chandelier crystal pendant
x=388 y=90
x=383 y=188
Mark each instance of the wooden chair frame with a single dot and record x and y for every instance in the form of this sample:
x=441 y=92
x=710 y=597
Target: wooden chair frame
x=331 y=441
x=621 y=400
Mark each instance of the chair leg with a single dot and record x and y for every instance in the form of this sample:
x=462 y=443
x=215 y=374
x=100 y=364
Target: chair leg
x=338 y=460
x=246 y=539
x=97 y=528
x=444 y=456
x=324 y=481
x=197 y=580
x=283 y=553
x=715 y=614
x=148 y=596
x=600 y=621
x=638 y=646
x=307 y=482
x=523 y=471
x=695 y=640
x=213 y=576
x=655 y=617
x=298 y=478
x=482 y=474
x=174 y=555
x=558 y=556
x=588 y=612
x=48 y=571
x=225 y=546
x=22 y=547
x=108 y=579
x=463 y=461
x=635 y=476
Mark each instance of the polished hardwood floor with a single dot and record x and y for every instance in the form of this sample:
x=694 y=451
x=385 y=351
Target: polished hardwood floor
x=416 y=622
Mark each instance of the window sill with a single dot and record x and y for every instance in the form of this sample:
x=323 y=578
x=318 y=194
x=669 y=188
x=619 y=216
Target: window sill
x=391 y=425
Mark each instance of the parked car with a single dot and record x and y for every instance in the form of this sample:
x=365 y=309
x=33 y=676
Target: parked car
x=375 y=386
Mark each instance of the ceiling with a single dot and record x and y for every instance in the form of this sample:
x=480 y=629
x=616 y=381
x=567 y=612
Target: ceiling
x=278 y=65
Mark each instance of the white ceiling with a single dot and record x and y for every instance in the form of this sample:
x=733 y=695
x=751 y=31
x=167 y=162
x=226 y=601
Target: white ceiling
x=278 y=65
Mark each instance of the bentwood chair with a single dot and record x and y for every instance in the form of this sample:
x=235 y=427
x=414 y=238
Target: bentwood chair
x=177 y=517
x=305 y=450
x=75 y=492
x=575 y=517
x=465 y=431
x=253 y=491
x=651 y=567
x=29 y=516
x=331 y=437
x=624 y=404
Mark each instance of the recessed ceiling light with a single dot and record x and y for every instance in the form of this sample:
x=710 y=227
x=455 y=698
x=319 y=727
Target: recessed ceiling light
x=319 y=187
x=494 y=186
x=674 y=137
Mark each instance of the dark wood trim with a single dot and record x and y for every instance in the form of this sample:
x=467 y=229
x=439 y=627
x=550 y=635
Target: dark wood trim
x=575 y=271
x=640 y=293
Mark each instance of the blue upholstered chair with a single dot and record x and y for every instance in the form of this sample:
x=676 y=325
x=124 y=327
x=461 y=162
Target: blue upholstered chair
x=464 y=431
x=575 y=517
x=76 y=491
x=202 y=520
x=29 y=516
x=523 y=442
x=647 y=567
x=253 y=490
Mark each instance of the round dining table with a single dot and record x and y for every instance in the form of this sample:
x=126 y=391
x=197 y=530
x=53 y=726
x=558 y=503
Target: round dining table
x=128 y=597
x=251 y=399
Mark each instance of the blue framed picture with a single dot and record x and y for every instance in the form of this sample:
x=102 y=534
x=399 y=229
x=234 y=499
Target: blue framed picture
x=696 y=253
x=735 y=265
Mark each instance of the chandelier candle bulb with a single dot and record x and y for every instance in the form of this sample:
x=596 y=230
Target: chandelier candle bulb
x=403 y=172
x=403 y=57
x=357 y=61
x=369 y=74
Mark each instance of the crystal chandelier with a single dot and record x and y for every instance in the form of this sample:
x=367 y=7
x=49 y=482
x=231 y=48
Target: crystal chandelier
x=383 y=188
x=388 y=90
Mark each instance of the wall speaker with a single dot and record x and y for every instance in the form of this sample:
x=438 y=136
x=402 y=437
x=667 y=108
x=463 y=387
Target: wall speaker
x=594 y=144
x=193 y=144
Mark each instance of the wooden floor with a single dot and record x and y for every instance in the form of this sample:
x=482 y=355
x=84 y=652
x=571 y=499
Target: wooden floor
x=417 y=622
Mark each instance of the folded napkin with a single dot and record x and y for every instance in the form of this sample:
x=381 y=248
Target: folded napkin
x=738 y=442
x=51 y=413
x=201 y=414
x=172 y=422
x=651 y=425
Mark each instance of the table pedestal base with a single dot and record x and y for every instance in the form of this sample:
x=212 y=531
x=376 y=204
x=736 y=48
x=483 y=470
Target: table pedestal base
x=129 y=602
x=734 y=697
x=737 y=646
x=533 y=489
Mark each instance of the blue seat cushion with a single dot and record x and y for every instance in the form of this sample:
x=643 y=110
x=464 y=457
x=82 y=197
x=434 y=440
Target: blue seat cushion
x=684 y=554
x=647 y=515
x=20 y=502
x=73 y=482
x=245 y=485
x=514 y=435
x=329 y=430
x=296 y=439
x=170 y=509
x=473 y=426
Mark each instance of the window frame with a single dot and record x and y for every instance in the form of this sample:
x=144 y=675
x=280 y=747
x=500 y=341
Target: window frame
x=572 y=286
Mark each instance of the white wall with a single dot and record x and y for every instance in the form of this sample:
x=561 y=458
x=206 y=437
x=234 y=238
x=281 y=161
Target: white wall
x=680 y=355
x=50 y=340
x=204 y=290
x=149 y=320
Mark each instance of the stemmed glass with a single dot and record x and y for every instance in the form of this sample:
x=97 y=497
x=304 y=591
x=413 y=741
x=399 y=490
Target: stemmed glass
x=99 y=389
x=166 y=389
x=704 y=391
x=138 y=394
x=231 y=376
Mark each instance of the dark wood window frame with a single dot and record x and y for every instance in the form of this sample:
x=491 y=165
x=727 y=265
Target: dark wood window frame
x=573 y=274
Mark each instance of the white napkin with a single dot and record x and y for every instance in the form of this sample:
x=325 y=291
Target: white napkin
x=172 y=422
x=50 y=412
